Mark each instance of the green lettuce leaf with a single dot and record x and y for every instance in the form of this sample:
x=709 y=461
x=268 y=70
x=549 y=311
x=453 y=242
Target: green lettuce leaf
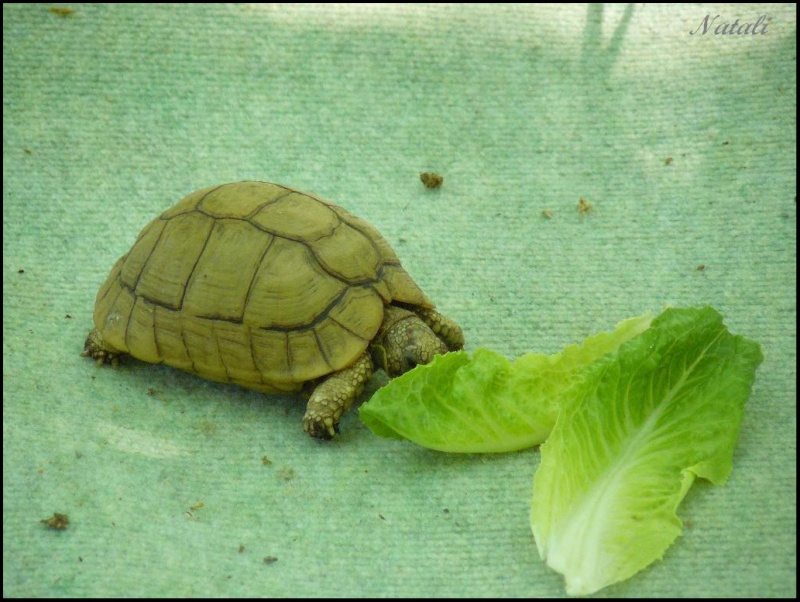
x=486 y=403
x=633 y=434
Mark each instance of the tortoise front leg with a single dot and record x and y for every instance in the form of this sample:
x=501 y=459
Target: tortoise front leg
x=445 y=328
x=333 y=396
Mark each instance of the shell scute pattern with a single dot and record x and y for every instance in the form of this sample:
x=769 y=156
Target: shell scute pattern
x=255 y=284
x=272 y=289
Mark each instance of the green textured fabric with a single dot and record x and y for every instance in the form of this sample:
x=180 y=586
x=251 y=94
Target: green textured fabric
x=684 y=145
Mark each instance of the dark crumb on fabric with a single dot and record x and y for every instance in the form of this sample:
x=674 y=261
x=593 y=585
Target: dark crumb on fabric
x=431 y=179
x=286 y=473
x=57 y=522
x=61 y=11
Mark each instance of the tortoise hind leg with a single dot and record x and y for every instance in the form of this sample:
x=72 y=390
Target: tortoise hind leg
x=333 y=396
x=97 y=349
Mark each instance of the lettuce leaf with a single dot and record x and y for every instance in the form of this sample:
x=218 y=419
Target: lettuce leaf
x=633 y=434
x=486 y=403
x=631 y=418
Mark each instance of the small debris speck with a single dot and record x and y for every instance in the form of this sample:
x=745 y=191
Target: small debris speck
x=286 y=473
x=61 y=11
x=241 y=548
x=431 y=179
x=668 y=161
x=208 y=428
x=584 y=206
x=701 y=267
x=547 y=213
x=67 y=316
x=270 y=559
x=57 y=522
x=265 y=461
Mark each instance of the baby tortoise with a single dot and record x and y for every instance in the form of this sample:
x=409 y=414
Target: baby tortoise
x=273 y=289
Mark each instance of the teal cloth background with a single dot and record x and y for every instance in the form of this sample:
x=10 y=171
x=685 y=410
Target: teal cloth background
x=112 y=113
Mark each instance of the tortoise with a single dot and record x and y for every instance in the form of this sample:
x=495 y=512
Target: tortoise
x=272 y=289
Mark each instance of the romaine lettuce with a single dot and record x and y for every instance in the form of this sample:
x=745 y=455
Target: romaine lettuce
x=631 y=437
x=486 y=403
x=630 y=417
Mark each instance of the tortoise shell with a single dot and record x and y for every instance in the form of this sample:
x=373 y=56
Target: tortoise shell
x=255 y=284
